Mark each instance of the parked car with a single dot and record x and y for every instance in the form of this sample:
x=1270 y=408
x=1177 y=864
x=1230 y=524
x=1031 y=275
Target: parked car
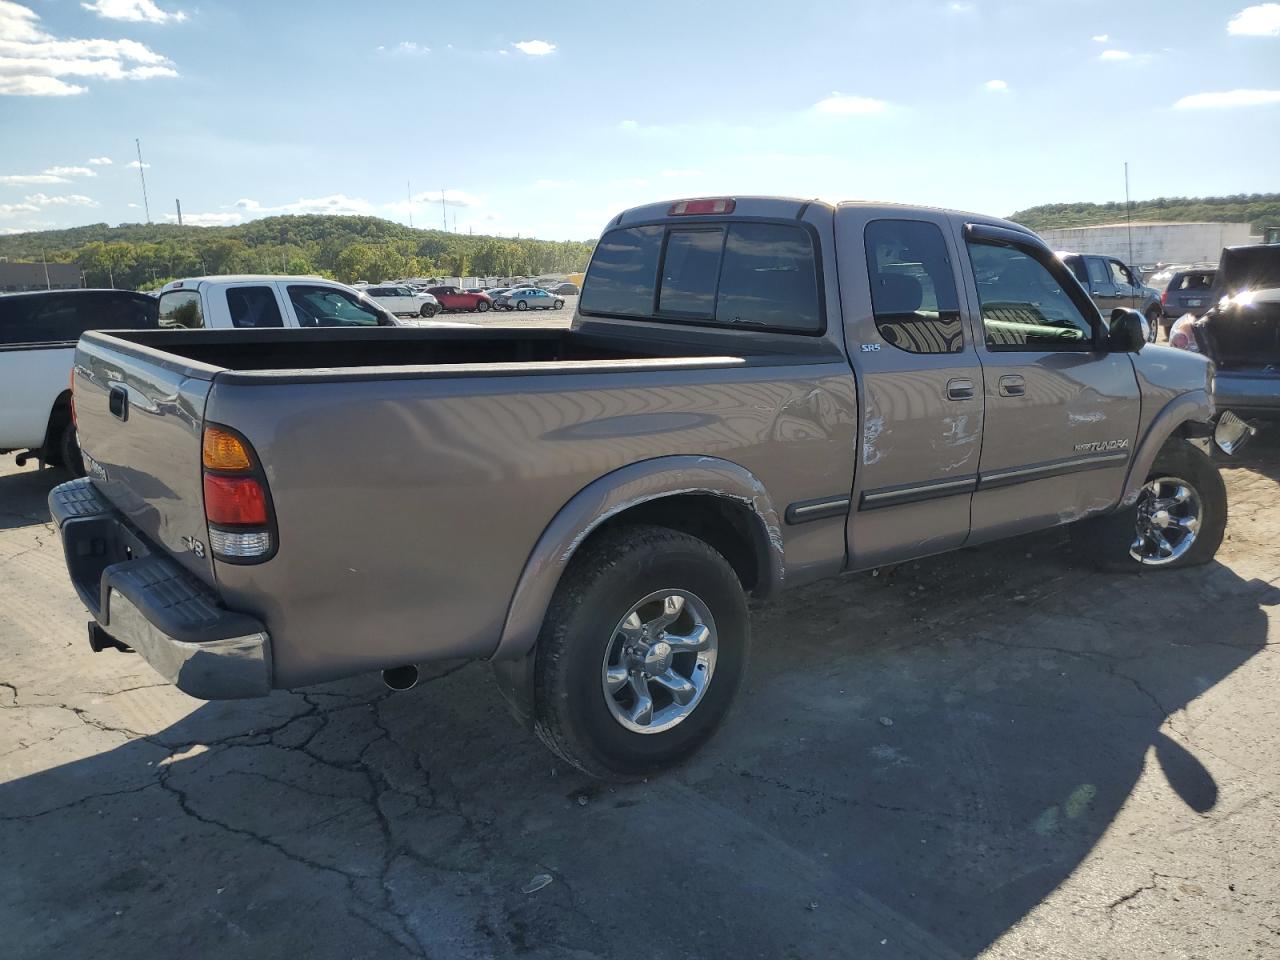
x=1240 y=331
x=803 y=389
x=1187 y=292
x=528 y=298
x=564 y=289
x=253 y=301
x=404 y=301
x=455 y=298
x=38 y=334
x=1111 y=284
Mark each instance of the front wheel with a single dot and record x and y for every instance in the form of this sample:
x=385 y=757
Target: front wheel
x=1179 y=519
x=428 y=311
x=641 y=652
x=1154 y=316
x=522 y=305
x=558 y=305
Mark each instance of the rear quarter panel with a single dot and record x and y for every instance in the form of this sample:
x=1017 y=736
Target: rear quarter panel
x=32 y=379
x=407 y=508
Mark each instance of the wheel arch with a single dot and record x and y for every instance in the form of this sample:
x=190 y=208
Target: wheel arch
x=1186 y=416
x=717 y=500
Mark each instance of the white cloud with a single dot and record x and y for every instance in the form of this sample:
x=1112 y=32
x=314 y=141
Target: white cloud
x=408 y=48
x=33 y=62
x=429 y=198
x=535 y=48
x=134 y=206
x=99 y=161
x=69 y=200
x=70 y=172
x=31 y=179
x=13 y=209
x=997 y=86
x=1228 y=98
x=1115 y=55
x=961 y=6
x=134 y=165
x=844 y=105
x=1260 y=20
x=133 y=10
x=1102 y=38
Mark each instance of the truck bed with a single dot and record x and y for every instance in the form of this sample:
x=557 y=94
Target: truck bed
x=330 y=349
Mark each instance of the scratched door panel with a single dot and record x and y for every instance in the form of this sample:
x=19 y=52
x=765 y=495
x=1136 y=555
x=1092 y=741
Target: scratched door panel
x=910 y=337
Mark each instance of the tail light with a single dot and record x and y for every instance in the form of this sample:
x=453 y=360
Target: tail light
x=1164 y=298
x=71 y=388
x=237 y=505
x=1182 y=336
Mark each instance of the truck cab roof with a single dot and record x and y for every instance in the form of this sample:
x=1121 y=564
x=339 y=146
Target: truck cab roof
x=190 y=283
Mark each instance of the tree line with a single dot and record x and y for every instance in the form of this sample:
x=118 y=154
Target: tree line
x=347 y=248
x=1259 y=210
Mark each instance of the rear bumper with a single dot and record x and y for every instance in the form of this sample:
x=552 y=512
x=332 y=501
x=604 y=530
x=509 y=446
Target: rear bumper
x=143 y=599
x=1247 y=393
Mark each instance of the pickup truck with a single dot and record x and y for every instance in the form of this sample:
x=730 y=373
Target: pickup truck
x=38 y=334
x=755 y=393
x=1114 y=285
x=253 y=302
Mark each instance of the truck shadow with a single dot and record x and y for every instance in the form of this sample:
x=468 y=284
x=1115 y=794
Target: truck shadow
x=919 y=757
x=22 y=496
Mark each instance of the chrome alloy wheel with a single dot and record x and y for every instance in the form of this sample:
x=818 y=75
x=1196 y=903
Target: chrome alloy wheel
x=660 y=661
x=1169 y=516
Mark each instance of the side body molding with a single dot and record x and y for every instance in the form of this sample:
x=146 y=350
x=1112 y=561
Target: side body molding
x=1195 y=406
x=621 y=490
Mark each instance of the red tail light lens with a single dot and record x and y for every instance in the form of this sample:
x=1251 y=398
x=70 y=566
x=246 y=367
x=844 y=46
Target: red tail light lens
x=688 y=208
x=234 y=501
x=1164 y=298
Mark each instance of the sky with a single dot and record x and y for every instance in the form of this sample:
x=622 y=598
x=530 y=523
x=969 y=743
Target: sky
x=547 y=119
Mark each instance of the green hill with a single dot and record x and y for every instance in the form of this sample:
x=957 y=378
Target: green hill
x=1258 y=209
x=139 y=255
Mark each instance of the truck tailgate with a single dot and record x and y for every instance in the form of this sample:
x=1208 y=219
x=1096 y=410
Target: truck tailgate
x=139 y=417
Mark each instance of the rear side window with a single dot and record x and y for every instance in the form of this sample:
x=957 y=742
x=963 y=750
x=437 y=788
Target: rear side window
x=61 y=318
x=253 y=307
x=623 y=272
x=742 y=273
x=181 y=308
x=913 y=287
x=1098 y=273
x=1077 y=267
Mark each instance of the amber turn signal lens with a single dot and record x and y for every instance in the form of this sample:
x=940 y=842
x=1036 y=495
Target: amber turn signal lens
x=223 y=450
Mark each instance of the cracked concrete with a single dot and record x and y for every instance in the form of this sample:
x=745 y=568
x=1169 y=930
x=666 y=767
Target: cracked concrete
x=1078 y=765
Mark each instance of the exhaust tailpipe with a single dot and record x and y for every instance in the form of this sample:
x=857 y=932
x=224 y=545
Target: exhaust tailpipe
x=401 y=678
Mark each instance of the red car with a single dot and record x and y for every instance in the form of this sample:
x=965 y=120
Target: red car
x=455 y=298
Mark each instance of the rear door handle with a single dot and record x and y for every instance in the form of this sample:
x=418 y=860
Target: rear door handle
x=960 y=389
x=1013 y=386
x=118 y=403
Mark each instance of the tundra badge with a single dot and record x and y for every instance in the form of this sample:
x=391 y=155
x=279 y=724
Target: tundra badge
x=1102 y=446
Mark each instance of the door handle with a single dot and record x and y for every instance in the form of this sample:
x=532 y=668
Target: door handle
x=1013 y=386
x=118 y=403
x=960 y=389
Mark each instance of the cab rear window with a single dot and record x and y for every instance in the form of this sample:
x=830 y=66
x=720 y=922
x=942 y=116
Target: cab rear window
x=741 y=273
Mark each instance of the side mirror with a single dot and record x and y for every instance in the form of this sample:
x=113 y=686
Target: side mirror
x=1128 y=331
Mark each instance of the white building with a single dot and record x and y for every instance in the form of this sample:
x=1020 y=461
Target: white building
x=1152 y=242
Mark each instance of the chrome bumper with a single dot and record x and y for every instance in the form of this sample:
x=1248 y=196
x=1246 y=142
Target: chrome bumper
x=146 y=601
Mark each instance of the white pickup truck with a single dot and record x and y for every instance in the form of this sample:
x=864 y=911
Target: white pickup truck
x=38 y=334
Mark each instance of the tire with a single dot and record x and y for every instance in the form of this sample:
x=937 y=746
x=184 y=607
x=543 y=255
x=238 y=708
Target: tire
x=69 y=451
x=482 y=306
x=1155 y=316
x=558 y=305
x=1108 y=540
x=575 y=715
x=522 y=304
x=428 y=311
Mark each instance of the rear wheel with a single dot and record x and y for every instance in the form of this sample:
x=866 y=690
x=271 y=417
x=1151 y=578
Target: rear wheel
x=558 y=305
x=1178 y=521
x=482 y=306
x=641 y=652
x=69 y=451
